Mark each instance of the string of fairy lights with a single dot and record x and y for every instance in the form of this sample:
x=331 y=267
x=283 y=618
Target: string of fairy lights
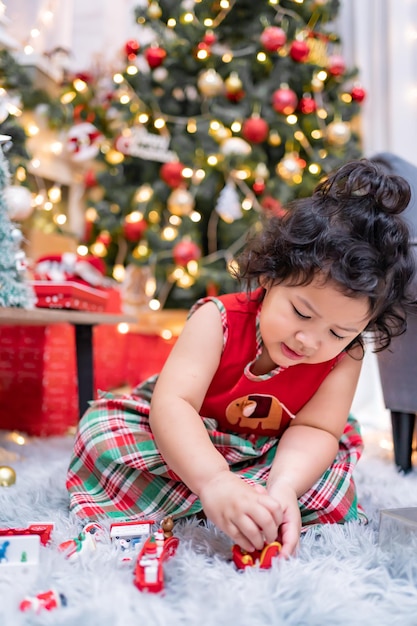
x=290 y=168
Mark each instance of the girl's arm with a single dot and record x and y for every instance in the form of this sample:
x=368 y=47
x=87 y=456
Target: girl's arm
x=311 y=442
x=240 y=510
x=179 y=393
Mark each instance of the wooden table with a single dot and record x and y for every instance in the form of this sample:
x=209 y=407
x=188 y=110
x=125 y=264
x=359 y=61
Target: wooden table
x=83 y=322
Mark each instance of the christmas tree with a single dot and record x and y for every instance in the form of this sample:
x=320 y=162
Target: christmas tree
x=15 y=290
x=222 y=112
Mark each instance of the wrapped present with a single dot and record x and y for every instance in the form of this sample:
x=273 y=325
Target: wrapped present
x=38 y=382
x=109 y=357
x=145 y=356
x=69 y=295
x=38 y=375
x=150 y=342
x=68 y=281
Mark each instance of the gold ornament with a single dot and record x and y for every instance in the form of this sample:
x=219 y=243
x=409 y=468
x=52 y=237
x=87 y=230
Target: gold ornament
x=7 y=476
x=338 y=133
x=221 y=134
x=180 y=202
x=318 y=52
x=274 y=138
x=210 y=83
x=289 y=167
x=233 y=83
x=95 y=194
x=114 y=157
x=154 y=11
x=317 y=85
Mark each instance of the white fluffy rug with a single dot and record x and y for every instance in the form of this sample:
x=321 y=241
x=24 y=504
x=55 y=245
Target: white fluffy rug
x=340 y=577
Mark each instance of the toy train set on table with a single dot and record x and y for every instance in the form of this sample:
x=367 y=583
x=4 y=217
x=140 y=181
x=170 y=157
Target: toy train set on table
x=133 y=540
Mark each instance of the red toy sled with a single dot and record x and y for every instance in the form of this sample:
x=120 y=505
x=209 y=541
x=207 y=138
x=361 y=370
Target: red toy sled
x=263 y=557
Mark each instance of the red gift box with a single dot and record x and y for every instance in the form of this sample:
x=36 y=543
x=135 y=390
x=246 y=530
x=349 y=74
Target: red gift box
x=145 y=356
x=38 y=375
x=38 y=383
x=109 y=357
x=150 y=342
x=69 y=295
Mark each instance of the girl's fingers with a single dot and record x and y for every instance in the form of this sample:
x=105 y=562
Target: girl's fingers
x=273 y=507
x=258 y=526
x=238 y=537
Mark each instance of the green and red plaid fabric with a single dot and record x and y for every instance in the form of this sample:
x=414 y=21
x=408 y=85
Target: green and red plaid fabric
x=117 y=471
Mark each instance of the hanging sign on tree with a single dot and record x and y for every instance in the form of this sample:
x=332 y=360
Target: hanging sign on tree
x=140 y=143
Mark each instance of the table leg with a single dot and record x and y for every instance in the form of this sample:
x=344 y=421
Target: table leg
x=402 y=435
x=84 y=350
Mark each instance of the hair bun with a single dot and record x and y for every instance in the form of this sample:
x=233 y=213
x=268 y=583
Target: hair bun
x=390 y=193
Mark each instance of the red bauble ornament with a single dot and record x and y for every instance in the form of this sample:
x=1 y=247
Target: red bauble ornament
x=299 y=51
x=272 y=206
x=90 y=179
x=171 y=173
x=235 y=96
x=88 y=231
x=133 y=230
x=358 y=94
x=210 y=38
x=155 y=56
x=336 y=65
x=131 y=48
x=273 y=38
x=86 y=77
x=202 y=46
x=284 y=100
x=307 y=105
x=104 y=237
x=185 y=251
x=255 y=129
x=258 y=187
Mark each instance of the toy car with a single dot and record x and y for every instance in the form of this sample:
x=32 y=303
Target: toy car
x=242 y=559
x=149 y=573
x=128 y=537
x=47 y=600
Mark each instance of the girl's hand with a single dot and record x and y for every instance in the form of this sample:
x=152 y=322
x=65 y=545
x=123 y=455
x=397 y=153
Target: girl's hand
x=247 y=514
x=290 y=525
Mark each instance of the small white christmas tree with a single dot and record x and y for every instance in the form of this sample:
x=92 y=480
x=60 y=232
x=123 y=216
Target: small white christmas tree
x=15 y=290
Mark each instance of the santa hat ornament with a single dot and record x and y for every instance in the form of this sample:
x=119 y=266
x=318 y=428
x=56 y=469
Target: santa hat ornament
x=83 y=141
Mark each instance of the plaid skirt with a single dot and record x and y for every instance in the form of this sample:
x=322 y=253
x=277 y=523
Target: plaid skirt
x=117 y=471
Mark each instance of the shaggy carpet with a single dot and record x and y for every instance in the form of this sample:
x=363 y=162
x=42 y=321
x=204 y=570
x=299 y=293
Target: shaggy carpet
x=341 y=576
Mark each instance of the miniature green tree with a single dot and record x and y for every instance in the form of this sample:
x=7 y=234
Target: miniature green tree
x=15 y=290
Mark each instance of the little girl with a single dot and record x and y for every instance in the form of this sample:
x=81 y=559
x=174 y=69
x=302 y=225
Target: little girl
x=249 y=419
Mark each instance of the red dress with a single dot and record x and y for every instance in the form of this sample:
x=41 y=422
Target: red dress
x=242 y=402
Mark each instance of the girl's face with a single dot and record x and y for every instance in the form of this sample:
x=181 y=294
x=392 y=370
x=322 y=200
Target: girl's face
x=310 y=323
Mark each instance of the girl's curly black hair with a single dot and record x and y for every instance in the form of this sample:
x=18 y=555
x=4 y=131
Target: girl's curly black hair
x=350 y=232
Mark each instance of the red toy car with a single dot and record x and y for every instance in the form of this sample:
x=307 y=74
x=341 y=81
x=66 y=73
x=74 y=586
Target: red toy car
x=263 y=557
x=149 y=573
x=47 y=600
